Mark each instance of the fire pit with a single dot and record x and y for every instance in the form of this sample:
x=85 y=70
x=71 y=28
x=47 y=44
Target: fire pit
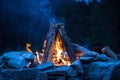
x=57 y=61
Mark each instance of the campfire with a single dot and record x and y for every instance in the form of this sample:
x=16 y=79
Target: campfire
x=57 y=61
x=57 y=47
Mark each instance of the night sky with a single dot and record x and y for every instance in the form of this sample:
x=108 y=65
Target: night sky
x=89 y=24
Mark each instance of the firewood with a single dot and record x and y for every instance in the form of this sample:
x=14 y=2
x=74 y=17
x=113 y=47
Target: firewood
x=82 y=51
x=109 y=52
x=54 y=30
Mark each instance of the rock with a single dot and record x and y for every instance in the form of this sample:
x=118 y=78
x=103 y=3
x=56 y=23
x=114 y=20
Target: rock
x=45 y=66
x=116 y=73
x=18 y=59
x=17 y=63
x=56 y=78
x=102 y=70
x=1 y=63
x=23 y=74
x=118 y=56
x=77 y=66
x=63 y=71
x=102 y=57
x=26 y=55
x=86 y=60
x=75 y=78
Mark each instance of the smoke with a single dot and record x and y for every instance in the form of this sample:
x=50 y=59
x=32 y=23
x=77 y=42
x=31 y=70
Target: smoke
x=24 y=21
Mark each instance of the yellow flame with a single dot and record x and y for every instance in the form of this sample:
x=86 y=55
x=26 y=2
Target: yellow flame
x=59 y=54
x=44 y=45
x=37 y=57
x=28 y=45
x=59 y=57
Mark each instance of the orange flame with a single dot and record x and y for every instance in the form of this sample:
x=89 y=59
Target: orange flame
x=28 y=45
x=44 y=45
x=37 y=57
x=59 y=53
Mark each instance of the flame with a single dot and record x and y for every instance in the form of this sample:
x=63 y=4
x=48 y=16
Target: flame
x=38 y=57
x=60 y=56
x=28 y=45
x=44 y=45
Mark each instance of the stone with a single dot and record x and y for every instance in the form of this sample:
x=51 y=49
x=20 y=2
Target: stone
x=17 y=63
x=77 y=66
x=45 y=66
x=86 y=60
x=26 y=55
x=75 y=78
x=63 y=71
x=106 y=70
x=1 y=62
x=17 y=59
x=102 y=57
x=23 y=74
x=116 y=73
x=56 y=78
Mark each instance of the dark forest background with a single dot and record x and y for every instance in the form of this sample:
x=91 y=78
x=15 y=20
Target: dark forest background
x=96 y=24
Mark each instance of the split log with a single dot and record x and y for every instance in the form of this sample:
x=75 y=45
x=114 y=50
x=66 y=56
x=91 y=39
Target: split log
x=53 y=31
x=82 y=51
x=50 y=38
x=66 y=43
x=109 y=52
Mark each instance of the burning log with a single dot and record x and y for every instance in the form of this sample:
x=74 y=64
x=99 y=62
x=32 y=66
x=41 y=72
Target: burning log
x=57 y=43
